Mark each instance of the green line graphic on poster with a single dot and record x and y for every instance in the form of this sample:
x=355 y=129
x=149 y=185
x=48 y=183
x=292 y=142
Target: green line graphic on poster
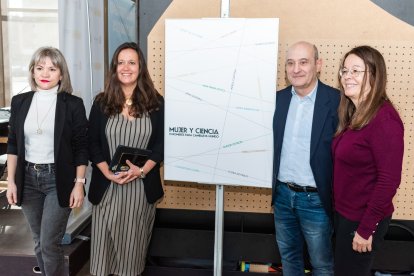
x=220 y=83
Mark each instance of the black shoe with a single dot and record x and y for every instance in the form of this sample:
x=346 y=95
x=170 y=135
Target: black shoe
x=37 y=270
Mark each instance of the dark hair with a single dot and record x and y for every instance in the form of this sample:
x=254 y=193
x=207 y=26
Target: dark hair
x=144 y=97
x=58 y=60
x=368 y=106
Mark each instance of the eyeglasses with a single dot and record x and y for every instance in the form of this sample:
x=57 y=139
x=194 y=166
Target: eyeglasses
x=354 y=72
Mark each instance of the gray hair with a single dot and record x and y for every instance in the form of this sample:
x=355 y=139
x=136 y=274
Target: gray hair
x=315 y=49
x=58 y=60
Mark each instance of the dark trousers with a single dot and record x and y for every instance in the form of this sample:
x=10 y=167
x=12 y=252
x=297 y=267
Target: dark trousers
x=350 y=262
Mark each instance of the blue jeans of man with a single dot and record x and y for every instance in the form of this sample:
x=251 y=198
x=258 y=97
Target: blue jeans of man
x=46 y=218
x=300 y=217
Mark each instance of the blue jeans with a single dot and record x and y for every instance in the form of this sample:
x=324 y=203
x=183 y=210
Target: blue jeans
x=300 y=217
x=46 y=218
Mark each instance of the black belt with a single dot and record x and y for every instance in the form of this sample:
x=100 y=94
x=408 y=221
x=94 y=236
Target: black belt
x=40 y=167
x=297 y=188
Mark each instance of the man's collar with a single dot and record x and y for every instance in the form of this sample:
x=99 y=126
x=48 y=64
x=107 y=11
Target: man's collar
x=311 y=95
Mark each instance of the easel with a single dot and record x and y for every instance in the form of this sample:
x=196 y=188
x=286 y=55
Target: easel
x=219 y=220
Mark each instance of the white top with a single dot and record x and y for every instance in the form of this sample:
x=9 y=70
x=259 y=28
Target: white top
x=39 y=127
x=295 y=155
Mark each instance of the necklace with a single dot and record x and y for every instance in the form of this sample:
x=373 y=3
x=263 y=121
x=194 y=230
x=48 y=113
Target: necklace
x=128 y=102
x=39 y=126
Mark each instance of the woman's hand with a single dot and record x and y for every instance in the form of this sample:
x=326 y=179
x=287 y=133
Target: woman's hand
x=77 y=196
x=120 y=177
x=134 y=171
x=360 y=244
x=11 y=192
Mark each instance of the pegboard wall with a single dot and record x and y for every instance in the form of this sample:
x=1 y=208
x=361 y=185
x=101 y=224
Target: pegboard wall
x=398 y=53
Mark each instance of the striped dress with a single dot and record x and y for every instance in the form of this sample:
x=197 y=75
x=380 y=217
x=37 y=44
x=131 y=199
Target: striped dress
x=122 y=222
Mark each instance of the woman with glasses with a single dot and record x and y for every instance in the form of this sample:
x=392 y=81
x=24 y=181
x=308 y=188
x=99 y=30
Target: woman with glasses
x=368 y=151
x=47 y=154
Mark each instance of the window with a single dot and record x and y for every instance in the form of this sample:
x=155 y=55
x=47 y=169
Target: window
x=26 y=26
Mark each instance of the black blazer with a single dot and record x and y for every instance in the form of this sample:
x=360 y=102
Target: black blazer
x=325 y=121
x=70 y=141
x=99 y=152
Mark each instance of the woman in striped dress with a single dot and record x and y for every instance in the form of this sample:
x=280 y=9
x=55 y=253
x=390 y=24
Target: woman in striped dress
x=129 y=112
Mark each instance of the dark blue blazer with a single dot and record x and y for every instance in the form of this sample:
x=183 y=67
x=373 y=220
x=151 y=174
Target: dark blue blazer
x=325 y=121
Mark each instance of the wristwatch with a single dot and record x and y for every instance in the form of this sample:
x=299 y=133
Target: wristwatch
x=80 y=180
x=142 y=175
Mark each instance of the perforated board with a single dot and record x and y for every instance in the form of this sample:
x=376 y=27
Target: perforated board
x=335 y=27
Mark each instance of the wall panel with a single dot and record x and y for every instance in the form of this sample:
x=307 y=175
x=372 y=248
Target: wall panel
x=334 y=26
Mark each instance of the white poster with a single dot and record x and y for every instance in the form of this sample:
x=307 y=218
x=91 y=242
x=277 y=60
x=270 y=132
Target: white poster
x=220 y=90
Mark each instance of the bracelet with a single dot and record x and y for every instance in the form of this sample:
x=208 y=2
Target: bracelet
x=80 y=180
x=142 y=175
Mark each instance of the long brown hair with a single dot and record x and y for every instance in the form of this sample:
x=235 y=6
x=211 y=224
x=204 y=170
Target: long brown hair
x=368 y=106
x=144 y=97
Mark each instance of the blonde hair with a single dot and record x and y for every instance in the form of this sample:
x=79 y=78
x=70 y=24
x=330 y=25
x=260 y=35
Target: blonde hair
x=58 y=60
